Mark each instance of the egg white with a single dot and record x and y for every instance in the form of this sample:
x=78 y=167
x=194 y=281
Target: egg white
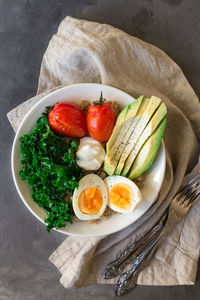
x=110 y=181
x=88 y=181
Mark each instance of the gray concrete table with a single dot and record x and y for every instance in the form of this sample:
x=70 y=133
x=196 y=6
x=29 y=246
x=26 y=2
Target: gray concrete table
x=25 y=29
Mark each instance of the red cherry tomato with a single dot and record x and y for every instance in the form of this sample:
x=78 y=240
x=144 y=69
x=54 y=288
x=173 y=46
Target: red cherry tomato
x=101 y=118
x=68 y=119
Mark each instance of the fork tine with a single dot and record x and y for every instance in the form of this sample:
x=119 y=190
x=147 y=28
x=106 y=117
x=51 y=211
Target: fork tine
x=190 y=194
x=190 y=191
x=193 y=198
x=188 y=187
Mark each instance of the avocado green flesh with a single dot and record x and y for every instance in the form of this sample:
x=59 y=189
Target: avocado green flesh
x=148 y=152
x=152 y=125
x=146 y=116
x=126 y=125
x=121 y=136
x=117 y=128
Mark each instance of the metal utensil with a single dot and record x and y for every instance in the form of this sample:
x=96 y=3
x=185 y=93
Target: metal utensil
x=177 y=210
x=116 y=267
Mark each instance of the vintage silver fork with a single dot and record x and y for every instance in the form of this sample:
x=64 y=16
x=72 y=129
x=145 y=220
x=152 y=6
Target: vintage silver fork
x=178 y=208
x=116 y=267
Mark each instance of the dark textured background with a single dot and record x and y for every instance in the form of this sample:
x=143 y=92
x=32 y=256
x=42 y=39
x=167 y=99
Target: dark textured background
x=25 y=29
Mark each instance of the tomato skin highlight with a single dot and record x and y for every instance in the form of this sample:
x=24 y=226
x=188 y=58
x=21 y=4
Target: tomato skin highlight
x=101 y=121
x=68 y=119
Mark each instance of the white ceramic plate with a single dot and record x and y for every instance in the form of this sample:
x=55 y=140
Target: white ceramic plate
x=153 y=177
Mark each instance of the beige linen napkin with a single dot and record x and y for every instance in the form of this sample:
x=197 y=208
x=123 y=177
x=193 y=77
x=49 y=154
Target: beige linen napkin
x=83 y=51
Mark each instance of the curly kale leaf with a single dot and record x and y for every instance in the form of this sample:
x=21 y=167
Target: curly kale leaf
x=49 y=166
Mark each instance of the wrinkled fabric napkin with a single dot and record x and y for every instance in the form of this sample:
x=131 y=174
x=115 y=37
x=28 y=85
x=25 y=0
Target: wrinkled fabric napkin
x=83 y=51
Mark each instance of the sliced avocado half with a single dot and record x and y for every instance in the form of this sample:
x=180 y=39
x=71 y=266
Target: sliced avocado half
x=145 y=116
x=148 y=152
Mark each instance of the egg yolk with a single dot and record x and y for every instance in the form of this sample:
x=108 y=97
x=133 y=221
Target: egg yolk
x=90 y=201
x=121 y=195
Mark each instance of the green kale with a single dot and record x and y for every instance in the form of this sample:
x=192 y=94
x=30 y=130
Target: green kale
x=49 y=166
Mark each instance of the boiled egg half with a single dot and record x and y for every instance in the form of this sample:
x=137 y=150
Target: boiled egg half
x=123 y=194
x=90 y=198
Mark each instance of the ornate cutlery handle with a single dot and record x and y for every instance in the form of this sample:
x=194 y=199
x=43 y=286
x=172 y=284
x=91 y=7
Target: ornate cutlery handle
x=115 y=268
x=128 y=280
